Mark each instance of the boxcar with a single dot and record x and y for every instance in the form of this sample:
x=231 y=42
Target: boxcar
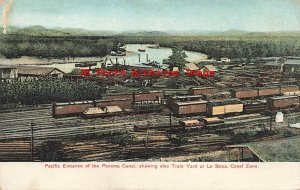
x=218 y=107
x=147 y=106
x=244 y=93
x=202 y=90
x=124 y=103
x=117 y=97
x=268 y=91
x=279 y=102
x=172 y=100
x=255 y=107
x=147 y=96
x=291 y=88
x=187 y=108
x=136 y=96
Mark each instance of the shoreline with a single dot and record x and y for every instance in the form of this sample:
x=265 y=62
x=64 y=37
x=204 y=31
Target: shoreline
x=27 y=60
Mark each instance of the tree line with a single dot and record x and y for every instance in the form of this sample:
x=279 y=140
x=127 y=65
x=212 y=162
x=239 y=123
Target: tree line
x=47 y=90
x=14 y=46
x=227 y=46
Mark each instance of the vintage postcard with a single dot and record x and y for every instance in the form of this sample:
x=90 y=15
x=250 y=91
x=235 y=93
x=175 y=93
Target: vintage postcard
x=165 y=94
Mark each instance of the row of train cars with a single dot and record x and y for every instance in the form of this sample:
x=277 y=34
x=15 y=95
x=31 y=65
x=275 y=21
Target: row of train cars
x=197 y=101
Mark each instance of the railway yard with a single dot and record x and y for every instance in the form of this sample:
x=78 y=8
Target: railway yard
x=187 y=123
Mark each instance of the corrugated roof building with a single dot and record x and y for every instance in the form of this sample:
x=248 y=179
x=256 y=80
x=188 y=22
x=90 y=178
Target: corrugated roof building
x=27 y=72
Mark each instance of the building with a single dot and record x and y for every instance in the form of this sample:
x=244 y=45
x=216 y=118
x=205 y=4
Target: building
x=30 y=72
x=279 y=150
x=208 y=68
x=191 y=66
x=292 y=65
x=225 y=59
x=8 y=72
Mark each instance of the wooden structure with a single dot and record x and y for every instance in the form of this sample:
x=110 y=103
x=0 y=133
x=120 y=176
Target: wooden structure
x=202 y=90
x=32 y=72
x=219 y=107
x=279 y=150
x=191 y=107
x=8 y=72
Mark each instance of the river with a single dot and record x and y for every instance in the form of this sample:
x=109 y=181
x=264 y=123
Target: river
x=154 y=54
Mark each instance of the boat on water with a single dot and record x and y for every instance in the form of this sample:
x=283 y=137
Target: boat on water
x=141 y=50
x=88 y=64
x=153 y=64
x=119 y=53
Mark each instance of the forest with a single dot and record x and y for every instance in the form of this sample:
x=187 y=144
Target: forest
x=14 y=46
x=246 y=46
x=47 y=90
x=228 y=46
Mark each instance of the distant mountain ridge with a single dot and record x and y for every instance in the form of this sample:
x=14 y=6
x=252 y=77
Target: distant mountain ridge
x=43 y=31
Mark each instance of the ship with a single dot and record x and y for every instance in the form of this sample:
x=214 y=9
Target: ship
x=141 y=50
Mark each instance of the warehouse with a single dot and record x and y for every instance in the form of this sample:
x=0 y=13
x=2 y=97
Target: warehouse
x=292 y=65
x=281 y=150
x=31 y=72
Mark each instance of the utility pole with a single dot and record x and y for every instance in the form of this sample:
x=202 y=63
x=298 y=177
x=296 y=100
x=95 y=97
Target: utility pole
x=170 y=124
x=271 y=117
x=32 y=146
x=170 y=118
x=146 y=141
x=139 y=58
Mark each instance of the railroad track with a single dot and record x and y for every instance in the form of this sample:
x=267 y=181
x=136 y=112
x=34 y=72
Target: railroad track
x=15 y=129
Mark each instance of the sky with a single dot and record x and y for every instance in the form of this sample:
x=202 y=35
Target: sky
x=162 y=15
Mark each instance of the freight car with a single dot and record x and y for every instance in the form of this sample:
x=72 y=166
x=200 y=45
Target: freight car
x=202 y=90
x=147 y=106
x=255 y=106
x=189 y=108
x=244 y=93
x=211 y=120
x=290 y=88
x=136 y=96
x=218 y=107
x=117 y=97
x=172 y=100
x=295 y=93
x=282 y=102
x=147 y=96
x=124 y=103
x=71 y=108
x=269 y=91
x=183 y=124
x=107 y=111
